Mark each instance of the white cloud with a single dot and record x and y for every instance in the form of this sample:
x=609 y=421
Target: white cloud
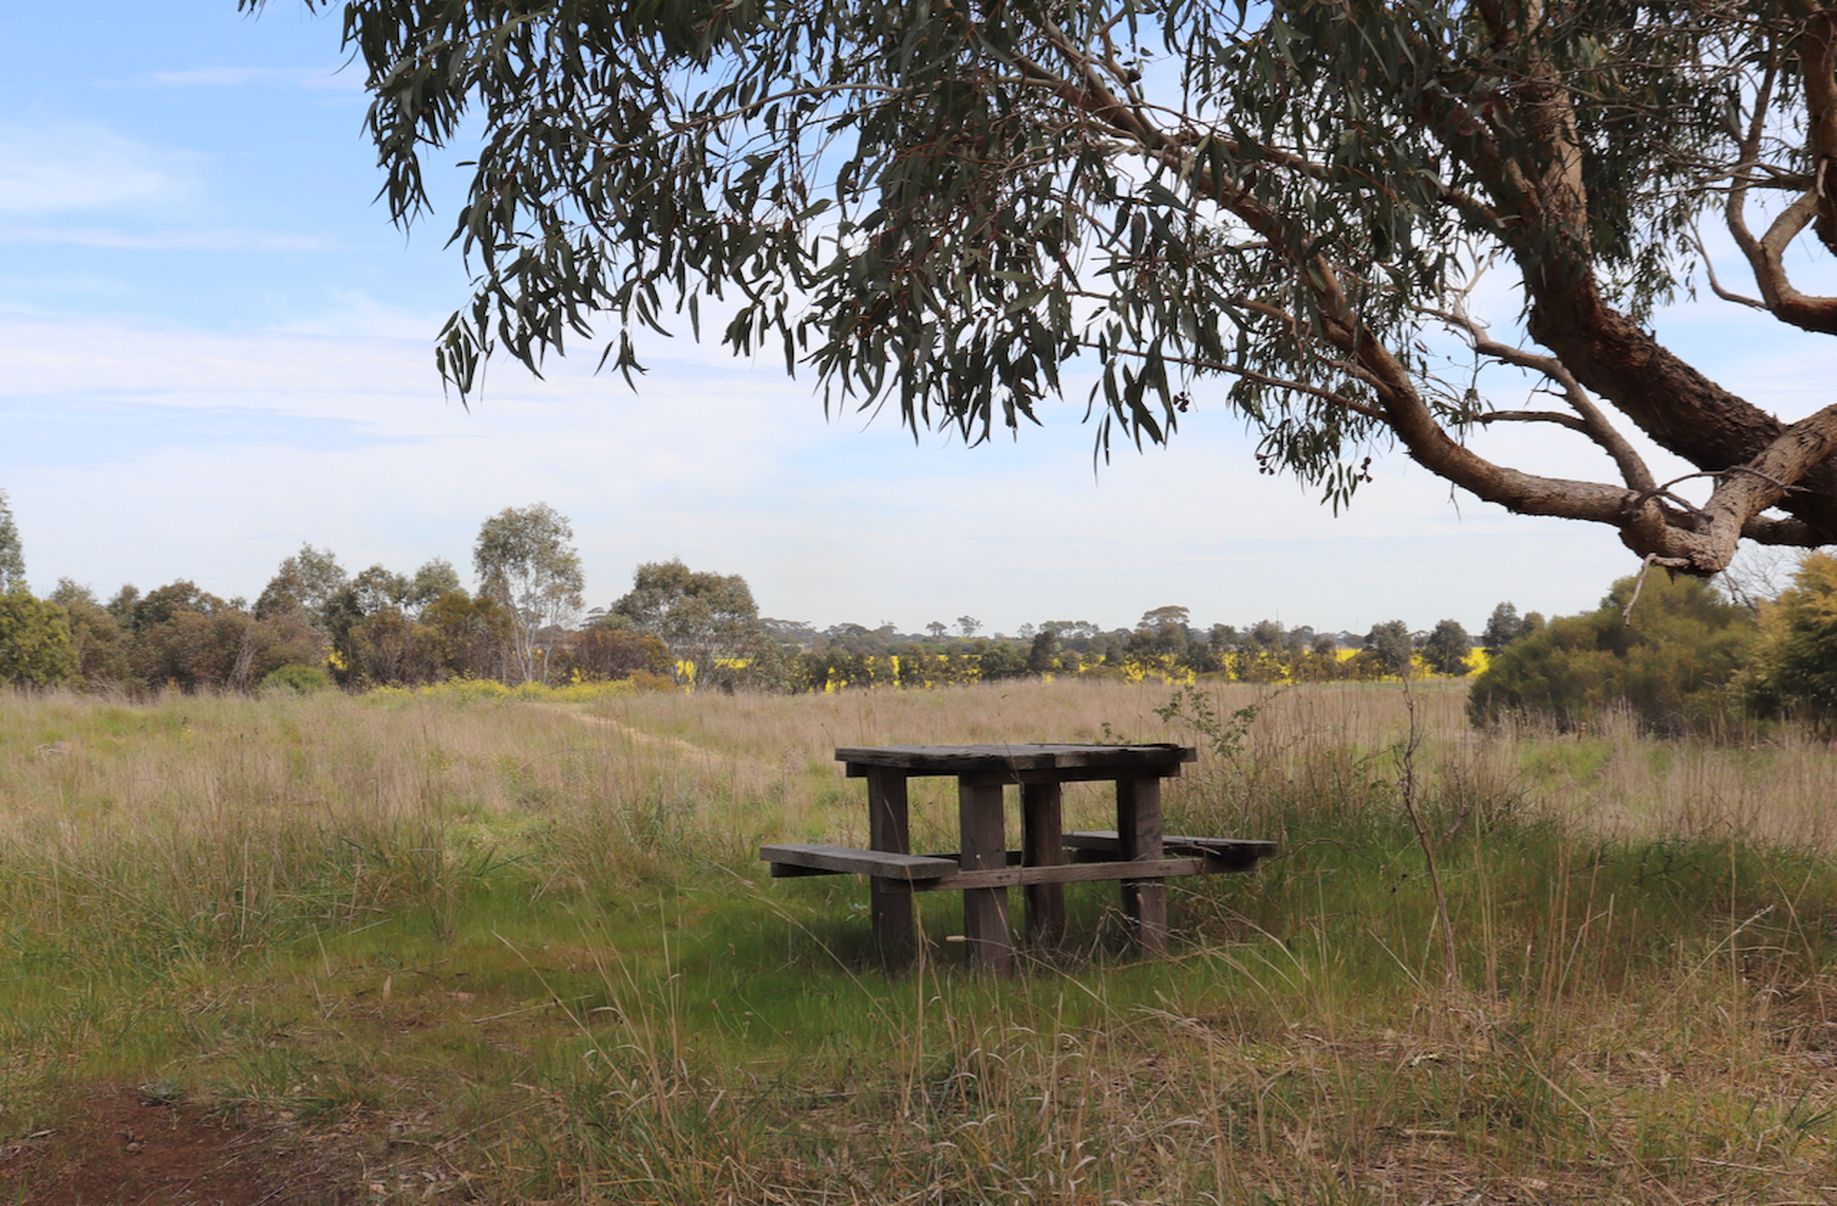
x=74 y=167
x=311 y=79
x=729 y=467
x=207 y=239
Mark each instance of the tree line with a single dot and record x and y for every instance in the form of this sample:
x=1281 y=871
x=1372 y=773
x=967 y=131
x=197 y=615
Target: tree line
x=1677 y=656
x=316 y=624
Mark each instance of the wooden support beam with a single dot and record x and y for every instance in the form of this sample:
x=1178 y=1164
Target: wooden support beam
x=985 y=910
x=890 y=901
x=1138 y=828
x=1043 y=845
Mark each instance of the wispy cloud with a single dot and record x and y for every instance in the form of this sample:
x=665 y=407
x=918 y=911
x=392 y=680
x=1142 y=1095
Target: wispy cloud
x=336 y=431
x=75 y=167
x=309 y=79
x=203 y=239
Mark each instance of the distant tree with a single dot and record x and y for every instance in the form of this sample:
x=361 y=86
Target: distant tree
x=795 y=633
x=372 y=590
x=35 y=645
x=372 y=634
x=701 y=616
x=192 y=640
x=1674 y=666
x=1387 y=649
x=526 y=562
x=124 y=604
x=1264 y=636
x=1043 y=653
x=432 y=580
x=161 y=604
x=1162 y=631
x=1448 y=649
x=1319 y=662
x=1201 y=658
x=1001 y=660
x=1502 y=628
x=100 y=642
x=854 y=638
x=969 y=626
x=937 y=629
x=306 y=582
x=12 y=552
x=388 y=646
x=472 y=633
x=1796 y=666
x=608 y=651
x=1163 y=617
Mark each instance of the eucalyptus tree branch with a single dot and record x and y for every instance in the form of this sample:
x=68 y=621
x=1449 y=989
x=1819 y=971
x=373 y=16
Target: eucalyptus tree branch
x=922 y=202
x=1226 y=368
x=1590 y=421
x=1766 y=254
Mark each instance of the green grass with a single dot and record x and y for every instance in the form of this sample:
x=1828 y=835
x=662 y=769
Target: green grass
x=539 y=945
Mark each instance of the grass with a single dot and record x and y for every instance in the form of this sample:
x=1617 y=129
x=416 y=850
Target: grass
x=523 y=949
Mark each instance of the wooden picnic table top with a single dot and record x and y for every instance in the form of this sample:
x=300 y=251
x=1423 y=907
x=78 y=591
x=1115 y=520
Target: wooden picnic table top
x=1020 y=756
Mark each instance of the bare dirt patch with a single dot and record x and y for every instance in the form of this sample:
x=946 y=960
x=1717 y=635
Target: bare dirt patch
x=117 y=1145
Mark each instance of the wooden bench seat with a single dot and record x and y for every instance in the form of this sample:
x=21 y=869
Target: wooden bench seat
x=1097 y=856
x=934 y=872
x=1240 y=853
x=845 y=860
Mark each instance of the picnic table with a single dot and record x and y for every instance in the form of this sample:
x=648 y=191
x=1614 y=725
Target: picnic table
x=1136 y=853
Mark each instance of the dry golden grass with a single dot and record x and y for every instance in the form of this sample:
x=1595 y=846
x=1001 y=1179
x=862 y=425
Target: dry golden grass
x=529 y=938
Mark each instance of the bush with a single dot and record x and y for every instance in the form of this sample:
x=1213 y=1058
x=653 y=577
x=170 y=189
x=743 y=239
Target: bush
x=35 y=645
x=1796 y=667
x=1673 y=667
x=645 y=681
x=298 y=679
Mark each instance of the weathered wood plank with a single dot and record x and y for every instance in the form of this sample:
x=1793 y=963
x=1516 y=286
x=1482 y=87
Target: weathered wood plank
x=890 y=900
x=1245 y=850
x=1073 y=873
x=847 y=860
x=1042 y=845
x=961 y=759
x=1093 y=867
x=1073 y=774
x=1138 y=828
x=985 y=909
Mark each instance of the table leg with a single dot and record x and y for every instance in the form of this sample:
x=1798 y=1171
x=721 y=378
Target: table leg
x=1138 y=828
x=1043 y=845
x=985 y=910
x=890 y=901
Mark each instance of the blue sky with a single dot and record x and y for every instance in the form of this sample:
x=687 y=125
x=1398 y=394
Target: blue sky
x=218 y=348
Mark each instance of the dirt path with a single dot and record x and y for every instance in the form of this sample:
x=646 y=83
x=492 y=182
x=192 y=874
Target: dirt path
x=634 y=735
x=116 y=1145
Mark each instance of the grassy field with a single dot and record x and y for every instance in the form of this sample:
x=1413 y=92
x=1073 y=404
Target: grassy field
x=443 y=946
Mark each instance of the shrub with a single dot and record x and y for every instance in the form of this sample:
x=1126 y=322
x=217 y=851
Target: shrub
x=1796 y=665
x=1448 y=649
x=298 y=679
x=35 y=645
x=1673 y=667
x=644 y=680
